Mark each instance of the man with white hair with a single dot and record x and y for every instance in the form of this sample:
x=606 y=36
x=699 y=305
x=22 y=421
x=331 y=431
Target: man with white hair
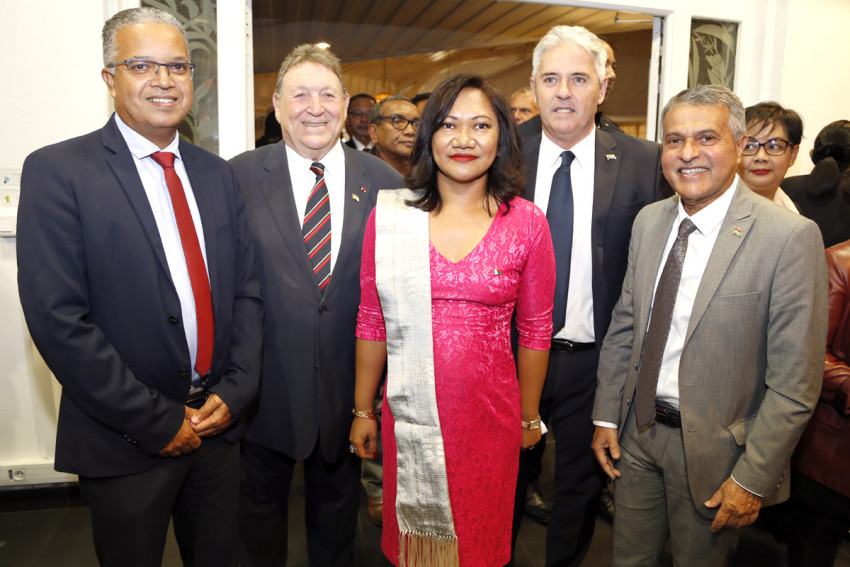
x=591 y=183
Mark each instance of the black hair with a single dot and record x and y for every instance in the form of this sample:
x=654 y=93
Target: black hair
x=505 y=178
x=766 y=114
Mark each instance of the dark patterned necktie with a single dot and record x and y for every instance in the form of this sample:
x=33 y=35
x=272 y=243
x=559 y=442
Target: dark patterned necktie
x=659 y=326
x=559 y=212
x=317 y=227
x=194 y=262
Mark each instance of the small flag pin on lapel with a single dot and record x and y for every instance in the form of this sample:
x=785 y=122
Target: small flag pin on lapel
x=609 y=157
x=497 y=272
x=738 y=232
x=363 y=189
x=356 y=197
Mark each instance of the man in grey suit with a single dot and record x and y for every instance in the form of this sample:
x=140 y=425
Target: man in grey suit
x=705 y=384
x=611 y=177
x=310 y=279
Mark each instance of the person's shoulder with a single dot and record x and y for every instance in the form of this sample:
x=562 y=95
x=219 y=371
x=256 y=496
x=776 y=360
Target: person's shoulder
x=795 y=186
x=76 y=148
x=627 y=141
x=201 y=156
x=257 y=155
x=524 y=211
x=376 y=169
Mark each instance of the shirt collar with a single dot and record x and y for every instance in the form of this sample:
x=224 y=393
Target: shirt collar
x=140 y=146
x=334 y=160
x=708 y=219
x=584 y=150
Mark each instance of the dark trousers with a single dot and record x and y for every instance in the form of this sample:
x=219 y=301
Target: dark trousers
x=568 y=403
x=199 y=492
x=331 y=494
x=820 y=519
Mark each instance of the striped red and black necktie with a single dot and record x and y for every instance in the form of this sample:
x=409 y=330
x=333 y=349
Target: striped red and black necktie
x=317 y=227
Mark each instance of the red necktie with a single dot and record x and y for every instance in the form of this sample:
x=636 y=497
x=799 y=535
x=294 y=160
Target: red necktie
x=194 y=261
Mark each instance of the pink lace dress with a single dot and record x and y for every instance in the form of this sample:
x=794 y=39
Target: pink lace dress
x=478 y=396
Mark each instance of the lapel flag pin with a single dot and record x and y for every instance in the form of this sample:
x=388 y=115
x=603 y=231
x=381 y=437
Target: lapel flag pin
x=738 y=232
x=363 y=189
x=497 y=272
x=356 y=197
x=609 y=157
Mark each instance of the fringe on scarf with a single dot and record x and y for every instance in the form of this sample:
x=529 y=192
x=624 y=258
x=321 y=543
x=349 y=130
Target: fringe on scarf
x=427 y=550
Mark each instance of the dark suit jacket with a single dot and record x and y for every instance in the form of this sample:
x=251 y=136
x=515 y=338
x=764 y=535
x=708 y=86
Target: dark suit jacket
x=307 y=385
x=830 y=212
x=622 y=187
x=751 y=365
x=103 y=312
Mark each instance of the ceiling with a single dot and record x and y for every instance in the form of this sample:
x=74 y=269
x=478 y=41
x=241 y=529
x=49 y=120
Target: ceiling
x=399 y=44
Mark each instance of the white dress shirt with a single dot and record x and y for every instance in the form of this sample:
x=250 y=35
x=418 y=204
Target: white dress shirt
x=578 y=325
x=302 y=183
x=153 y=181
x=700 y=244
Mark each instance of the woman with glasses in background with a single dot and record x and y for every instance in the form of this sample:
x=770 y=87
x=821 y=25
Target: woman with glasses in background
x=773 y=140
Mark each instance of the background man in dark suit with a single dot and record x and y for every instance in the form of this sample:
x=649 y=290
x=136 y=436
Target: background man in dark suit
x=357 y=121
x=724 y=366
x=307 y=386
x=145 y=308
x=611 y=177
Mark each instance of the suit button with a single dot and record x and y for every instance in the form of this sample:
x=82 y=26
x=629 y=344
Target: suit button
x=323 y=309
x=173 y=319
x=183 y=373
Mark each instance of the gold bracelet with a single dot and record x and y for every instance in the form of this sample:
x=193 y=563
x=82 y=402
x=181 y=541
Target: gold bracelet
x=531 y=425
x=368 y=414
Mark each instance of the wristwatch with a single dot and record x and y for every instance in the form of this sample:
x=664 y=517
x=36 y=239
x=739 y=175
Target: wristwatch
x=531 y=425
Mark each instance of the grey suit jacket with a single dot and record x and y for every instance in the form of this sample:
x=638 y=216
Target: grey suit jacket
x=627 y=177
x=751 y=368
x=307 y=381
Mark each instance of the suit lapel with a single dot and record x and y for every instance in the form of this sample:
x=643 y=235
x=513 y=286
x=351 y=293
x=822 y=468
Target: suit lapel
x=203 y=185
x=277 y=189
x=531 y=149
x=124 y=167
x=652 y=251
x=604 y=177
x=733 y=231
x=354 y=213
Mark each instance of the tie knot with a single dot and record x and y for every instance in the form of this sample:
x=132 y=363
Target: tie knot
x=318 y=169
x=164 y=159
x=686 y=227
x=567 y=158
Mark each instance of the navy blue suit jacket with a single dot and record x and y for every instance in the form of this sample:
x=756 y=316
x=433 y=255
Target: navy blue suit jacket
x=307 y=385
x=102 y=309
x=627 y=177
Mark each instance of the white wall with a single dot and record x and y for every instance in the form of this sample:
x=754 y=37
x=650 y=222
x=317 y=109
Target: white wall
x=816 y=78
x=52 y=91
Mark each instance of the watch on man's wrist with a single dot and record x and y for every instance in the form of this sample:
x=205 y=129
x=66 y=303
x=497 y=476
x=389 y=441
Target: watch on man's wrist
x=531 y=425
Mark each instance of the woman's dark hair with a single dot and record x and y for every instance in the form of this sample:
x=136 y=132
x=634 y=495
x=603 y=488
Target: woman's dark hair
x=505 y=178
x=766 y=114
x=831 y=156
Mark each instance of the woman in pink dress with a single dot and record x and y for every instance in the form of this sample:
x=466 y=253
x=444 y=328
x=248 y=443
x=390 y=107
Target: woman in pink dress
x=445 y=267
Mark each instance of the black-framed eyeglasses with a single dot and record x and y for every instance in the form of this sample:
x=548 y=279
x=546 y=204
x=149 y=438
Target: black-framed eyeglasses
x=400 y=122
x=147 y=69
x=773 y=147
